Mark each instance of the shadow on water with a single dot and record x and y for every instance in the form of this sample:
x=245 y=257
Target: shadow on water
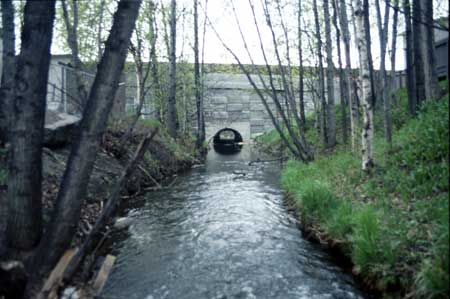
x=222 y=231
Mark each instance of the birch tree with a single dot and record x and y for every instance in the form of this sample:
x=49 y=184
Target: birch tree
x=362 y=16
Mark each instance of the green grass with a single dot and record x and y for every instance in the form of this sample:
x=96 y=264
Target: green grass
x=395 y=221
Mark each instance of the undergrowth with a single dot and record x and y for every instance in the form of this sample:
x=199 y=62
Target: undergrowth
x=394 y=222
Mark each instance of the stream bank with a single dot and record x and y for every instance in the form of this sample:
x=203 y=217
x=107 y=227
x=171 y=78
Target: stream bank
x=392 y=225
x=163 y=160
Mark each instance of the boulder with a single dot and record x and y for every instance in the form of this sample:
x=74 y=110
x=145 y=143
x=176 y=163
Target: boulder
x=59 y=128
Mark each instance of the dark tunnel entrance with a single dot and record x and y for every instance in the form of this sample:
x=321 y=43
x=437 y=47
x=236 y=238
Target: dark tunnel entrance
x=227 y=141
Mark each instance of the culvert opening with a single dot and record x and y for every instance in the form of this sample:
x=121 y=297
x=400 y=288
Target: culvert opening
x=227 y=141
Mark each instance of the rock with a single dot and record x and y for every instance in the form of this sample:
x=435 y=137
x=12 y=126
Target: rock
x=59 y=128
x=12 y=279
x=70 y=293
x=122 y=222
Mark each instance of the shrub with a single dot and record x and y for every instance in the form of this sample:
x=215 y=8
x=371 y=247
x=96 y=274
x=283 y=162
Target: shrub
x=365 y=239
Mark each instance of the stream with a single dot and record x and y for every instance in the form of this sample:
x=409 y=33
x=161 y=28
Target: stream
x=221 y=231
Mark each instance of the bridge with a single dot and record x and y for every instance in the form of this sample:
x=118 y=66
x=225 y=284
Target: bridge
x=231 y=102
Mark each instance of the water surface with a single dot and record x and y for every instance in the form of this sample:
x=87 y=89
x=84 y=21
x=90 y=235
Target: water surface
x=221 y=232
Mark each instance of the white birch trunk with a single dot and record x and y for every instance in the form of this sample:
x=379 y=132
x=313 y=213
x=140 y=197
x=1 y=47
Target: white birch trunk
x=367 y=131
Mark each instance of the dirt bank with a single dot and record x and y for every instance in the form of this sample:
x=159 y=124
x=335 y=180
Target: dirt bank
x=163 y=160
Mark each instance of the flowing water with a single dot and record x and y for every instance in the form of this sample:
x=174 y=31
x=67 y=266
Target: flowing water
x=221 y=232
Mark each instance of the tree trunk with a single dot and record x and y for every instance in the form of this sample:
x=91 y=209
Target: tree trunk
x=301 y=88
x=428 y=50
x=342 y=87
x=321 y=75
x=74 y=184
x=100 y=30
x=298 y=146
x=141 y=79
x=394 y=51
x=156 y=86
x=331 y=110
x=418 y=40
x=110 y=206
x=72 y=40
x=8 y=68
x=352 y=103
x=383 y=25
x=198 y=91
x=24 y=227
x=410 y=69
x=361 y=15
x=172 y=123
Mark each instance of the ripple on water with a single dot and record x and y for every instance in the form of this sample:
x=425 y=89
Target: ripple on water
x=221 y=232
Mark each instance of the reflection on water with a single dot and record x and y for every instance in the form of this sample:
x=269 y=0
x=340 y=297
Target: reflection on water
x=227 y=149
x=221 y=232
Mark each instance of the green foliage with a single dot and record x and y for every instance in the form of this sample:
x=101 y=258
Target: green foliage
x=395 y=221
x=317 y=202
x=151 y=123
x=433 y=279
x=340 y=224
x=365 y=238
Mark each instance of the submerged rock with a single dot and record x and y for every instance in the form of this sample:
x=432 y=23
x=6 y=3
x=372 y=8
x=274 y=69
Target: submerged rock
x=122 y=222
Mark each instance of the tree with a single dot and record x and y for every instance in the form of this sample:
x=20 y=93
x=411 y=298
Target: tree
x=418 y=40
x=83 y=153
x=301 y=86
x=352 y=102
x=394 y=49
x=298 y=145
x=410 y=69
x=342 y=82
x=331 y=110
x=171 y=117
x=383 y=29
x=321 y=74
x=198 y=87
x=141 y=69
x=29 y=90
x=428 y=50
x=362 y=14
x=8 y=69
x=72 y=40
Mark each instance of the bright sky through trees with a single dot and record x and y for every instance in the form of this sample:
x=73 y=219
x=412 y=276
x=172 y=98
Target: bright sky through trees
x=222 y=17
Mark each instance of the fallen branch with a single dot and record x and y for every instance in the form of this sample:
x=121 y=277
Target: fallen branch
x=150 y=177
x=109 y=208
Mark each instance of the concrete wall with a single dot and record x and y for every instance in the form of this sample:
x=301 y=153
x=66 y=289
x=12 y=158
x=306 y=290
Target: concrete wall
x=231 y=101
